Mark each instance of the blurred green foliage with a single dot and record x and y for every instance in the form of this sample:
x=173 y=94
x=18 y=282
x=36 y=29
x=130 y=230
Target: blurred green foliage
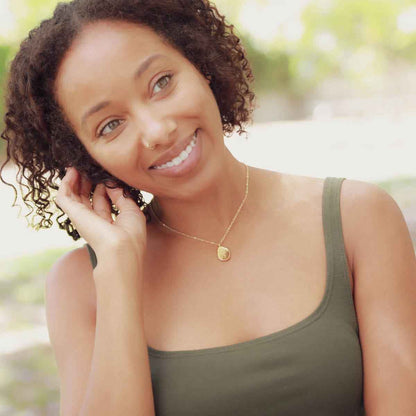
x=22 y=282
x=29 y=383
x=363 y=37
x=352 y=39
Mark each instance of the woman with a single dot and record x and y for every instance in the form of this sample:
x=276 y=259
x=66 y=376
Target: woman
x=232 y=292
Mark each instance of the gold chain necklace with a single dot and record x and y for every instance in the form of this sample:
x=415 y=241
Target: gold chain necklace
x=223 y=253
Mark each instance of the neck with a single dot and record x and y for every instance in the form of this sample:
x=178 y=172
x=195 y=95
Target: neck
x=207 y=212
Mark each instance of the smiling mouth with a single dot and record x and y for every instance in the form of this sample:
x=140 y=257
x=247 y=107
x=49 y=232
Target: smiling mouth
x=180 y=157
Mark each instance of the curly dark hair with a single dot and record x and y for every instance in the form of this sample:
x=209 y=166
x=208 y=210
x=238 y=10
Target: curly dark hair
x=40 y=140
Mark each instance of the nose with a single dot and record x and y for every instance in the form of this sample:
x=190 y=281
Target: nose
x=155 y=129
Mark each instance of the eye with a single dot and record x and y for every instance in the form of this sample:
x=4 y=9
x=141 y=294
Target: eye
x=109 y=127
x=163 y=82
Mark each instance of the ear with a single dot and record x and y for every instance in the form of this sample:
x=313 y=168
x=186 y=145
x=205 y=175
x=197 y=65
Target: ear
x=208 y=79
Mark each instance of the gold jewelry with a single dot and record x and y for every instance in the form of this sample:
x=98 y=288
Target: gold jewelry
x=223 y=253
x=147 y=146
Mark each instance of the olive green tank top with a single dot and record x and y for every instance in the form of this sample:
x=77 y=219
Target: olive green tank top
x=312 y=368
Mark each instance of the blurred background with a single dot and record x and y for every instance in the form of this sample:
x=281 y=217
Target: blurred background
x=336 y=87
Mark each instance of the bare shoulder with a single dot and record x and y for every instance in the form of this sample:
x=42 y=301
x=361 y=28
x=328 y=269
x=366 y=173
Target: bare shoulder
x=72 y=274
x=304 y=196
x=289 y=190
x=70 y=316
x=363 y=206
x=385 y=296
x=300 y=186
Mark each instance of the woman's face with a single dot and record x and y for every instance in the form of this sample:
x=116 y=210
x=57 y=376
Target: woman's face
x=121 y=86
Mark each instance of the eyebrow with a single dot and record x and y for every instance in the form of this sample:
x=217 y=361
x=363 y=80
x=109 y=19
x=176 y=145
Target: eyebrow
x=139 y=72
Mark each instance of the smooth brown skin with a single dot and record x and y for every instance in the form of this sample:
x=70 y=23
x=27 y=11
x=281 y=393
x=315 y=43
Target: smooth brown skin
x=190 y=299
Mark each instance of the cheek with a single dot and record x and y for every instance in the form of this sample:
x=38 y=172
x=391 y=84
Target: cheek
x=195 y=99
x=188 y=101
x=122 y=157
x=116 y=158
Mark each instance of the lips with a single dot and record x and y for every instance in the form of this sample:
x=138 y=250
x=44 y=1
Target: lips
x=173 y=152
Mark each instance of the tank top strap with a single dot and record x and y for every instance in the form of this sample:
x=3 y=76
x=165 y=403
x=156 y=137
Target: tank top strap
x=334 y=240
x=341 y=303
x=92 y=255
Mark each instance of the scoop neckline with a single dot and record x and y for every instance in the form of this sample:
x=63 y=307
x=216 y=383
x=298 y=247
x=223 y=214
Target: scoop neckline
x=319 y=310
x=312 y=317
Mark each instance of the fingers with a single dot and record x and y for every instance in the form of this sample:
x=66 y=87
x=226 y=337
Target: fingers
x=93 y=219
x=67 y=188
x=73 y=199
x=121 y=202
x=84 y=190
x=101 y=203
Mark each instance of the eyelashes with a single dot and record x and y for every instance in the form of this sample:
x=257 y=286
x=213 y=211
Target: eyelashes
x=101 y=132
x=166 y=76
x=117 y=122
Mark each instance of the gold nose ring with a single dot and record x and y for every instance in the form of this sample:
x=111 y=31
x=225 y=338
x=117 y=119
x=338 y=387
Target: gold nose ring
x=147 y=146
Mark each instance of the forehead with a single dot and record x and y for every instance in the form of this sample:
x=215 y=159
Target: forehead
x=107 y=48
x=99 y=37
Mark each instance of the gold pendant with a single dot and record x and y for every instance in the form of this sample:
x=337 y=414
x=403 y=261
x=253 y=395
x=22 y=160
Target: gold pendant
x=223 y=253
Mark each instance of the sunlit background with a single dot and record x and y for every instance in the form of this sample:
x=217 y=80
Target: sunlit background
x=336 y=87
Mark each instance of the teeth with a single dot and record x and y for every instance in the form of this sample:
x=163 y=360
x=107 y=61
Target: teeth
x=181 y=157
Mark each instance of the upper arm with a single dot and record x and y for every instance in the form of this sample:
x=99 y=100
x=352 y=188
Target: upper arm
x=384 y=270
x=70 y=314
